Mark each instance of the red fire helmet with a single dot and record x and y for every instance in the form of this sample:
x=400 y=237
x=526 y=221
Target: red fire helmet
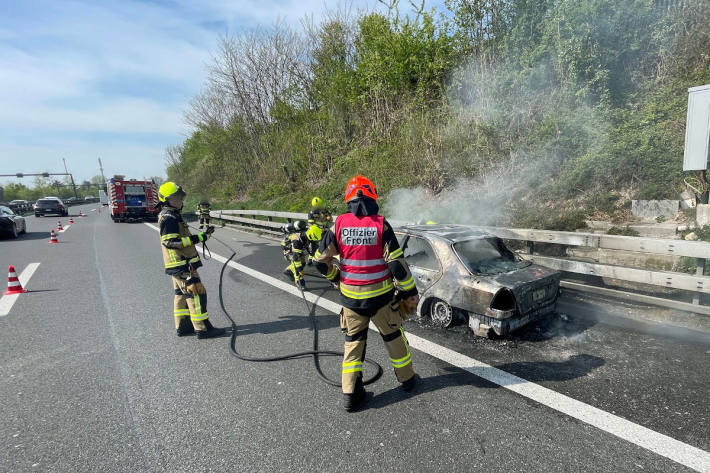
x=360 y=186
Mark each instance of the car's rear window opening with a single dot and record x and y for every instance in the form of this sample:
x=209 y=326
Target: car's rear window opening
x=48 y=203
x=487 y=256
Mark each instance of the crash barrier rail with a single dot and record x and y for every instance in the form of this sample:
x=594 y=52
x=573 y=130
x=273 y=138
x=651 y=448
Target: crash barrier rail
x=697 y=283
x=240 y=217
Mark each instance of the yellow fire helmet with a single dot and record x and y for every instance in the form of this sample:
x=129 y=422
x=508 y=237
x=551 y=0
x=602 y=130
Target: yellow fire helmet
x=167 y=189
x=314 y=233
x=317 y=202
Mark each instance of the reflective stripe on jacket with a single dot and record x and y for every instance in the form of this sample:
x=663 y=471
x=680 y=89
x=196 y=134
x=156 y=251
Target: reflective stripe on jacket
x=177 y=260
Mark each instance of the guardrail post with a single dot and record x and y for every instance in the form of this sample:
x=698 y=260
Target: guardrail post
x=531 y=246
x=699 y=271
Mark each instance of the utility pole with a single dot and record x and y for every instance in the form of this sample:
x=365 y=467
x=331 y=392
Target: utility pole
x=72 y=179
x=101 y=167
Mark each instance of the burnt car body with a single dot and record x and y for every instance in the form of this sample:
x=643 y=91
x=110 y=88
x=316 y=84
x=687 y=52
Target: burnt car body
x=462 y=272
x=10 y=223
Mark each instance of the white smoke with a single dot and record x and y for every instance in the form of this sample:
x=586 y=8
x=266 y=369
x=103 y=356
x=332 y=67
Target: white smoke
x=479 y=202
x=481 y=98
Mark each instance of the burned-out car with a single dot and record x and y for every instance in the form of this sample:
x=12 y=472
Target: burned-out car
x=463 y=272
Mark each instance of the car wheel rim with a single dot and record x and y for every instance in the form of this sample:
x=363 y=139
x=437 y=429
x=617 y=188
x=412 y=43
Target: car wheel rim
x=442 y=313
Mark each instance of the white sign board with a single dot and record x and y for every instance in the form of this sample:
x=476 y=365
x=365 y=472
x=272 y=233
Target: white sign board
x=697 y=129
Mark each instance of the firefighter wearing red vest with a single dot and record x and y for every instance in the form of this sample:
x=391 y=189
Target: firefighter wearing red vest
x=375 y=284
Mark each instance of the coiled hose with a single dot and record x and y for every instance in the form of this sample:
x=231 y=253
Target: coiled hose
x=316 y=353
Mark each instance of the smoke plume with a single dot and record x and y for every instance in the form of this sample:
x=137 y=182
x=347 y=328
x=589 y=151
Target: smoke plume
x=489 y=183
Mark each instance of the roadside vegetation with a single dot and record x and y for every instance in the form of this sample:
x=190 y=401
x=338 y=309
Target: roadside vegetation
x=43 y=187
x=560 y=110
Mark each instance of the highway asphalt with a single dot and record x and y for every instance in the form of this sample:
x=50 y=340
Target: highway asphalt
x=94 y=378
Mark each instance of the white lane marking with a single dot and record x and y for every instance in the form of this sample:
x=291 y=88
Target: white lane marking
x=64 y=229
x=668 y=447
x=6 y=302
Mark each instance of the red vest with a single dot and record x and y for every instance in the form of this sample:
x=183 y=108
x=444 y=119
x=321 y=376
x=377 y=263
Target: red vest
x=360 y=245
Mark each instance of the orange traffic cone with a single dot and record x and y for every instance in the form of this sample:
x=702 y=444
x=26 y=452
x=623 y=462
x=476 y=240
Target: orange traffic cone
x=80 y=214
x=13 y=284
x=59 y=226
x=71 y=221
x=53 y=237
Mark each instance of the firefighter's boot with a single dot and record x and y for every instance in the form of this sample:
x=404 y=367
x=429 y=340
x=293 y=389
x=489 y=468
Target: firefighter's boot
x=210 y=331
x=357 y=398
x=185 y=327
x=302 y=284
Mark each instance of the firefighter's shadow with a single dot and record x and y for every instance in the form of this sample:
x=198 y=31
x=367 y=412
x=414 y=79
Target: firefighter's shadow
x=313 y=282
x=288 y=323
x=507 y=374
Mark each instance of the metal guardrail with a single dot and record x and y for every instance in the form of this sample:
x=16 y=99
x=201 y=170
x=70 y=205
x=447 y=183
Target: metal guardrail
x=697 y=283
x=251 y=224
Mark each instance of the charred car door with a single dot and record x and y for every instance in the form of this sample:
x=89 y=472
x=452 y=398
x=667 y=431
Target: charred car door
x=422 y=261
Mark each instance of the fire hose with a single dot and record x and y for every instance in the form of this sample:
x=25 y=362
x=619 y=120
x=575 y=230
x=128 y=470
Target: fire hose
x=315 y=353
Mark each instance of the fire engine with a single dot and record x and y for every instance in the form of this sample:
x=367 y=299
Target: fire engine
x=132 y=200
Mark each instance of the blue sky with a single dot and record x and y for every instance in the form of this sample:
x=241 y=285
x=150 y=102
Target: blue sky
x=87 y=79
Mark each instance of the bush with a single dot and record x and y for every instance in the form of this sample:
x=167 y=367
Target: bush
x=605 y=202
x=654 y=191
x=688 y=265
x=545 y=219
x=626 y=231
x=703 y=233
x=690 y=213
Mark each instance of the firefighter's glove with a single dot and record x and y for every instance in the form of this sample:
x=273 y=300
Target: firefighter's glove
x=199 y=237
x=194 y=286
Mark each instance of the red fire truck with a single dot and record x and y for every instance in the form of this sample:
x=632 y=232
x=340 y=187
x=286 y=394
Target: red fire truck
x=132 y=200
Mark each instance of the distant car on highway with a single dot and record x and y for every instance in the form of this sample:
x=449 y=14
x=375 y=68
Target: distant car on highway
x=19 y=206
x=90 y=198
x=50 y=205
x=462 y=273
x=10 y=223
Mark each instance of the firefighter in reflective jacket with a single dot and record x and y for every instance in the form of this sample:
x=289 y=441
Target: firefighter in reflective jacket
x=295 y=250
x=318 y=214
x=203 y=211
x=319 y=219
x=181 y=261
x=375 y=284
